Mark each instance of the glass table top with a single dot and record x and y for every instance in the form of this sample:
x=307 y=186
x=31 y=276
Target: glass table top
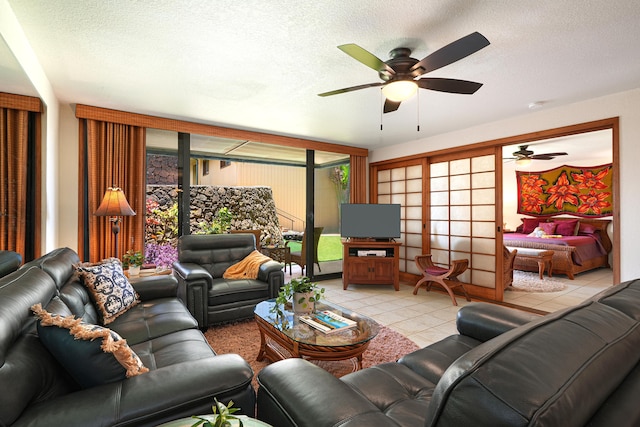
x=291 y=325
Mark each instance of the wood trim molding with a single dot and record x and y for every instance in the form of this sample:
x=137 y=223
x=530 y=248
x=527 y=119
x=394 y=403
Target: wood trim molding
x=146 y=121
x=608 y=123
x=20 y=102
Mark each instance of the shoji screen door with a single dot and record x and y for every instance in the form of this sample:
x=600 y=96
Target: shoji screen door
x=462 y=216
x=403 y=184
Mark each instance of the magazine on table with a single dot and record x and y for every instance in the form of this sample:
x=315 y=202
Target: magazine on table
x=328 y=321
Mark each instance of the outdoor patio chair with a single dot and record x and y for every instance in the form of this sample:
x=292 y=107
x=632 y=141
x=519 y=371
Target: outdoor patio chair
x=300 y=257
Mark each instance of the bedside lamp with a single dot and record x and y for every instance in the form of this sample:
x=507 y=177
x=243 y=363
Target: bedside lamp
x=115 y=205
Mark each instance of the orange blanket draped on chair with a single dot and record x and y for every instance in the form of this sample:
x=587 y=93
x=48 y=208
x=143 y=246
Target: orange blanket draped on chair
x=247 y=268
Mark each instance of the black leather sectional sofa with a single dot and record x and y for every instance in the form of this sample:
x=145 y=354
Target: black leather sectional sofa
x=184 y=373
x=575 y=367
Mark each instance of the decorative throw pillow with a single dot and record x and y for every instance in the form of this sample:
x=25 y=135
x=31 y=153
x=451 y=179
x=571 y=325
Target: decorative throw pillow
x=529 y=224
x=586 y=229
x=548 y=227
x=567 y=228
x=92 y=354
x=109 y=288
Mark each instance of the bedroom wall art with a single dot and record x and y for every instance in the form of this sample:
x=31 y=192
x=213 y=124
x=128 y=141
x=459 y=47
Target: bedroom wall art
x=580 y=191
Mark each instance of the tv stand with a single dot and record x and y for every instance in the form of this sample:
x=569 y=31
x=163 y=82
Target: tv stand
x=370 y=262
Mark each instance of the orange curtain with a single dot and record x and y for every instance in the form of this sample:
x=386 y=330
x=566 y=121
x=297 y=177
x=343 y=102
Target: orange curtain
x=358 y=179
x=14 y=132
x=111 y=155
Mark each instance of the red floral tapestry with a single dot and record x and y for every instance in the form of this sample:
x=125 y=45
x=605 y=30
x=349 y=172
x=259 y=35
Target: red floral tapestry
x=580 y=191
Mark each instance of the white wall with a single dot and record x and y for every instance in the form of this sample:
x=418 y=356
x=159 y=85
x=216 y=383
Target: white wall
x=625 y=105
x=17 y=42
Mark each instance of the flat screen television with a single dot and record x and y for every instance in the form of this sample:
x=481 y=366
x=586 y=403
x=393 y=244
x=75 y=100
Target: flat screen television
x=370 y=221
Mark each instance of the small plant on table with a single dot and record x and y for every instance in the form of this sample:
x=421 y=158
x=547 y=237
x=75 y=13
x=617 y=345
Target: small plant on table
x=223 y=416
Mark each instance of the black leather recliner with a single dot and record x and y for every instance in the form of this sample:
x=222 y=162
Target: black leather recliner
x=211 y=299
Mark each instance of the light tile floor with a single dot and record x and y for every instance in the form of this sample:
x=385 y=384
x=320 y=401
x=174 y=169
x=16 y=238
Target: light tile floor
x=428 y=317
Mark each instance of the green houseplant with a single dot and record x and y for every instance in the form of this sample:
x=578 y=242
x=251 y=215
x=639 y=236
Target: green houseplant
x=222 y=416
x=133 y=260
x=302 y=293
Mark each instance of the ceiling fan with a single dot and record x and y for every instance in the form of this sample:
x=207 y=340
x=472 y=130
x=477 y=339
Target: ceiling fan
x=524 y=155
x=400 y=73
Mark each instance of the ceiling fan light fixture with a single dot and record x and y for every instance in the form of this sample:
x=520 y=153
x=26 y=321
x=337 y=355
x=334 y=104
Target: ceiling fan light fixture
x=400 y=90
x=525 y=161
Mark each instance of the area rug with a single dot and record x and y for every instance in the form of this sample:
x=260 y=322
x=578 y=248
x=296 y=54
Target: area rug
x=526 y=281
x=243 y=338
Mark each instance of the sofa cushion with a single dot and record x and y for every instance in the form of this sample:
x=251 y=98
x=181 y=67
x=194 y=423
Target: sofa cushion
x=229 y=291
x=93 y=355
x=152 y=319
x=108 y=286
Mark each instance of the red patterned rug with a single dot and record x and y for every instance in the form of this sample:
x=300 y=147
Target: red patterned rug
x=243 y=338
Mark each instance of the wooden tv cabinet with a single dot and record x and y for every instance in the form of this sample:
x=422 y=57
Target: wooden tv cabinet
x=370 y=270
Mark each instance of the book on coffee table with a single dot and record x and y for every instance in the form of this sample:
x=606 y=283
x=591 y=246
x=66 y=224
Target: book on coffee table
x=328 y=321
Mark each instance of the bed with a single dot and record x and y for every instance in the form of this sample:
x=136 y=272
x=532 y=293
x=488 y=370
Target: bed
x=586 y=248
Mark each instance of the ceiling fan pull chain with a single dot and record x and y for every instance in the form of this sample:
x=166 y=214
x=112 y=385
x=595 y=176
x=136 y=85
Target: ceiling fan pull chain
x=382 y=101
x=418 y=112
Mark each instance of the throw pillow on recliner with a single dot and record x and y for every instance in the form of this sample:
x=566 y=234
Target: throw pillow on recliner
x=92 y=354
x=109 y=288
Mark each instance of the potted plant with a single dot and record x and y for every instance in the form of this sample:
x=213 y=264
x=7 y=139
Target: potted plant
x=302 y=293
x=222 y=416
x=133 y=260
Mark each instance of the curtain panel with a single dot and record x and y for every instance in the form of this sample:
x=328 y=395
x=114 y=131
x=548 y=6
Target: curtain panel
x=14 y=134
x=111 y=155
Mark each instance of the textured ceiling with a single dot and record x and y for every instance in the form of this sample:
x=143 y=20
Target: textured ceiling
x=259 y=65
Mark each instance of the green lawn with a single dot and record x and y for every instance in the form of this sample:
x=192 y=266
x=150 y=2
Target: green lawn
x=329 y=248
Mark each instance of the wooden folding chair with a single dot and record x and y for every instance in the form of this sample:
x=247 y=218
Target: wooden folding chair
x=447 y=278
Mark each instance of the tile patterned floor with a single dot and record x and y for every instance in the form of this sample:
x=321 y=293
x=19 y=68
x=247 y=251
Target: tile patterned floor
x=428 y=317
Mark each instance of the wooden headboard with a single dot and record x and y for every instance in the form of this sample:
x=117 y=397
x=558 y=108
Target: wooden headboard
x=599 y=224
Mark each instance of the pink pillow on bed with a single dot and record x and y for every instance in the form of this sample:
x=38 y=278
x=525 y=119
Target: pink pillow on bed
x=548 y=227
x=587 y=229
x=566 y=228
x=529 y=224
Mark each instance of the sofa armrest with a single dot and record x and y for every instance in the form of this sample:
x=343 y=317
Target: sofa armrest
x=484 y=321
x=161 y=395
x=9 y=262
x=194 y=282
x=271 y=272
x=295 y=392
x=153 y=287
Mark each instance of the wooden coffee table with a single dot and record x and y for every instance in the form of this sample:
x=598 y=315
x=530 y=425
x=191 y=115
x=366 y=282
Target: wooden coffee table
x=287 y=337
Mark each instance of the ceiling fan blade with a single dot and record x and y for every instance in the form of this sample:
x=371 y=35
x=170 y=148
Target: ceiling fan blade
x=390 y=106
x=452 y=52
x=351 y=89
x=541 y=157
x=449 y=85
x=365 y=57
x=551 y=154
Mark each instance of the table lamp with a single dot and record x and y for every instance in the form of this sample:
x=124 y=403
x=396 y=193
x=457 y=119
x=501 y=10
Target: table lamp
x=115 y=205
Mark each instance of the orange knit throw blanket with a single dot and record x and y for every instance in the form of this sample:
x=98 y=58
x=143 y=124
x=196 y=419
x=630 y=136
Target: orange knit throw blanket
x=247 y=268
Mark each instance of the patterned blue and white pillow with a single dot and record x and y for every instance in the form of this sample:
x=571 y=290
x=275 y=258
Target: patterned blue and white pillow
x=109 y=288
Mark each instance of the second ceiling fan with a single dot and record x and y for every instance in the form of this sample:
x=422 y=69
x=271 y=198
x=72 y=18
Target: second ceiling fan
x=400 y=73
x=525 y=154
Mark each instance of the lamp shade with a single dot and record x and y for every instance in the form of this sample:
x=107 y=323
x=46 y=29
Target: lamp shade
x=114 y=203
x=400 y=90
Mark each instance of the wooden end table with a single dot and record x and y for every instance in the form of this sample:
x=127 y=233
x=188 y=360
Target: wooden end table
x=287 y=337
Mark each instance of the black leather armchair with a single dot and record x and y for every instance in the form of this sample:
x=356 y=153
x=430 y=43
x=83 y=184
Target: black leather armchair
x=211 y=299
